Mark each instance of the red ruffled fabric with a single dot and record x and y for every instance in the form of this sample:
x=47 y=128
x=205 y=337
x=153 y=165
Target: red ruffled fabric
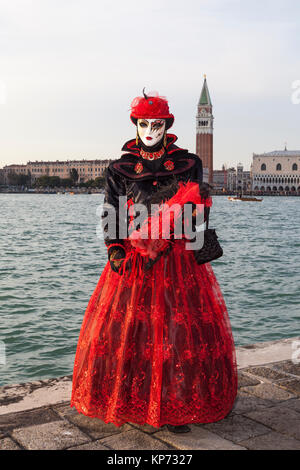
x=151 y=238
x=156 y=347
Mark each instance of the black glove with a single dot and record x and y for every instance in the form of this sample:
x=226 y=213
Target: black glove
x=116 y=256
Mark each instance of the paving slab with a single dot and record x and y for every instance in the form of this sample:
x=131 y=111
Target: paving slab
x=266 y=373
x=272 y=441
x=134 y=440
x=93 y=427
x=95 y=445
x=269 y=391
x=293 y=404
x=287 y=366
x=246 y=402
x=198 y=439
x=279 y=418
x=50 y=436
x=292 y=385
x=147 y=428
x=8 y=444
x=245 y=380
x=237 y=428
x=27 y=418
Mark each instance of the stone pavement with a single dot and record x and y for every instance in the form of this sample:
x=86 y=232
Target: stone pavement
x=266 y=415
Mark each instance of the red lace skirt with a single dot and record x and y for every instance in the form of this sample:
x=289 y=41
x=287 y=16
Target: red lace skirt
x=156 y=347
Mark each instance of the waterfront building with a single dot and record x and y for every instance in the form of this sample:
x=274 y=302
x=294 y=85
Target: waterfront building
x=220 y=178
x=86 y=169
x=13 y=169
x=239 y=176
x=204 y=131
x=243 y=178
x=231 y=179
x=247 y=180
x=239 y=179
x=1 y=176
x=277 y=171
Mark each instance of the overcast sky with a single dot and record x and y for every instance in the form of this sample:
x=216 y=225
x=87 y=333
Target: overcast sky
x=70 y=68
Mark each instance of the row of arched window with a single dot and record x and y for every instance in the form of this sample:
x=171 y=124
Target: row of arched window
x=277 y=180
x=279 y=167
x=275 y=188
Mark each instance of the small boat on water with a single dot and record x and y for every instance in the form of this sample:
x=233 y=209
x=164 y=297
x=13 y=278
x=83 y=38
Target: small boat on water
x=231 y=198
x=244 y=198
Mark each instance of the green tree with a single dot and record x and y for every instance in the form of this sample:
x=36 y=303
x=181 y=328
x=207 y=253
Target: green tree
x=42 y=181
x=16 y=179
x=54 y=181
x=12 y=178
x=48 y=181
x=66 y=182
x=99 y=182
x=90 y=183
x=24 y=180
x=74 y=175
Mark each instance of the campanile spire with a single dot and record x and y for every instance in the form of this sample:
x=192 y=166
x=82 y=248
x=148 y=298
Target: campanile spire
x=204 y=130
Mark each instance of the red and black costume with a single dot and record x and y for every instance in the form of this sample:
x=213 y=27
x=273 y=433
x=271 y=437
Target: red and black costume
x=155 y=345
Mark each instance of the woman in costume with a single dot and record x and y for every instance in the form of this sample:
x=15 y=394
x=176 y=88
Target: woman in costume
x=155 y=346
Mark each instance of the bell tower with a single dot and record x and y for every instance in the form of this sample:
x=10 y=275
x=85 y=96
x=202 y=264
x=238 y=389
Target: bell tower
x=204 y=131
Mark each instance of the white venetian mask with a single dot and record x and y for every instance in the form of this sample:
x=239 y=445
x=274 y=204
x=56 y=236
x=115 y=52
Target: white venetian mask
x=151 y=131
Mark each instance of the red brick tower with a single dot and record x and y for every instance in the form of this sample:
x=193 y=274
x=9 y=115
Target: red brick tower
x=204 y=131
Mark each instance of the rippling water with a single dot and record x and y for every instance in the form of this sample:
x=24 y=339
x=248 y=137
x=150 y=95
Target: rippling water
x=51 y=260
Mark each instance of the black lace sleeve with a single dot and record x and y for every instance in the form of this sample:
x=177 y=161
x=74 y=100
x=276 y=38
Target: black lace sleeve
x=114 y=188
x=196 y=175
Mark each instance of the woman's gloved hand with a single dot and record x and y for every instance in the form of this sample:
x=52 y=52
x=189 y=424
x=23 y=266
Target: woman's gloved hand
x=116 y=258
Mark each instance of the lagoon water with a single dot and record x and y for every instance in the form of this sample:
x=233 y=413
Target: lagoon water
x=52 y=258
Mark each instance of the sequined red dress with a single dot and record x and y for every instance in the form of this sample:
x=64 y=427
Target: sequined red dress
x=156 y=347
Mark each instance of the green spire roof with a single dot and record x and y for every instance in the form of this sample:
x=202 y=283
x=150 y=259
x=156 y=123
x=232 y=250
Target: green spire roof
x=205 y=97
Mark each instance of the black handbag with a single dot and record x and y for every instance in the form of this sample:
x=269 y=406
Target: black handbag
x=211 y=249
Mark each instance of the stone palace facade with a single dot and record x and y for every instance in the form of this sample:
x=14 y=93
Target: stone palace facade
x=276 y=171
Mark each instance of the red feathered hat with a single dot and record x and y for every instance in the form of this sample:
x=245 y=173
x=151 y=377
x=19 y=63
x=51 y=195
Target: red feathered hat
x=151 y=107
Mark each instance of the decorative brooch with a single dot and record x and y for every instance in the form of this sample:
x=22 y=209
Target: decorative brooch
x=169 y=165
x=138 y=168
